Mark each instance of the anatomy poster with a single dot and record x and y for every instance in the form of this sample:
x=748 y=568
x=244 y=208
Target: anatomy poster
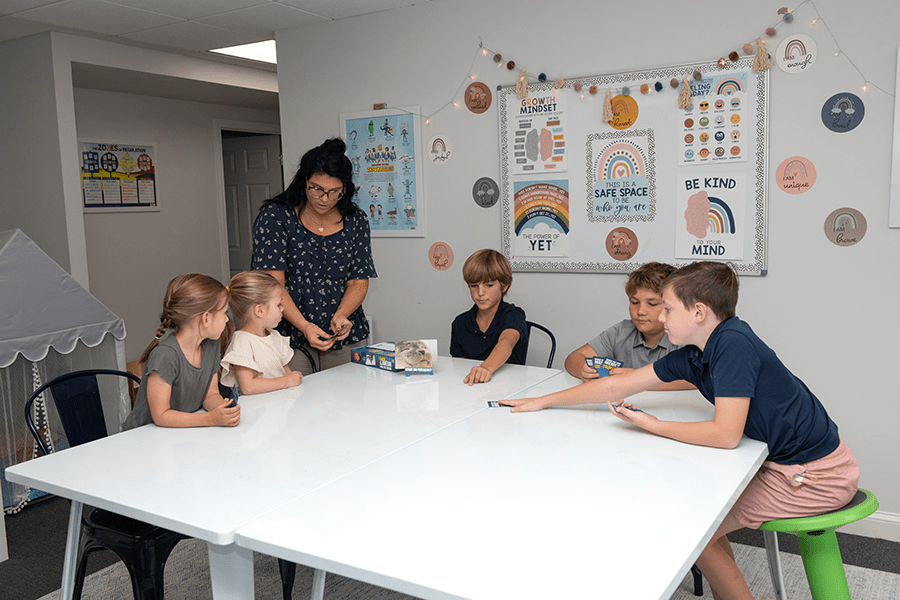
x=709 y=216
x=538 y=133
x=381 y=146
x=542 y=218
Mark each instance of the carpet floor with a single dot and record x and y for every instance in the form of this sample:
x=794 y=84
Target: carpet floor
x=187 y=577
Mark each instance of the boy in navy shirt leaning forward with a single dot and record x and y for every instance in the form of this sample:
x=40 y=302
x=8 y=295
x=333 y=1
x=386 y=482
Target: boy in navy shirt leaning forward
x=492 y=331
x=809 y=470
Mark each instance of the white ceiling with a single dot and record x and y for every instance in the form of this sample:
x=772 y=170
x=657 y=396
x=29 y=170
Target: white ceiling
x=183 y=26
x=190 y=27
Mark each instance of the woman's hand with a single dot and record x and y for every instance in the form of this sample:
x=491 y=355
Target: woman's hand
x=317 y=338
x=341 y=325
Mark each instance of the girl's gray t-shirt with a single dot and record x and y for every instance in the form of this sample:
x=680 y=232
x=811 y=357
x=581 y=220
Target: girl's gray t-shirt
x=189 y=383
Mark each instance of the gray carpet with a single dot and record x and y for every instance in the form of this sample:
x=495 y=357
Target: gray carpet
x=187 y=578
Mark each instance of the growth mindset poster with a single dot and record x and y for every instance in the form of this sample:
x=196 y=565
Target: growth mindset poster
x=538 y=133
x=710 y=217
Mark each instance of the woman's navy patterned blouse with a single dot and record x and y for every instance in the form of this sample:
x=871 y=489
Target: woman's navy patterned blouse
x=316 y=268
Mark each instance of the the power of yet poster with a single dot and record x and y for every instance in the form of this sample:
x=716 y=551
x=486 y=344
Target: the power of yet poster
x=541 y=218
x=538 y=139
x=710 y=217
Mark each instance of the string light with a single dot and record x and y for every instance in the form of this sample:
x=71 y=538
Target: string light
x=817 y=20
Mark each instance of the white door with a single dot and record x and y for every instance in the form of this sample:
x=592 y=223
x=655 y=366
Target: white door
x=252 y=167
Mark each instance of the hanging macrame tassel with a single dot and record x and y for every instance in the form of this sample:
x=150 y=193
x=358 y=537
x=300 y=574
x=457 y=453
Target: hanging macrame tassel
x=607 y=107
x=684 y=96
x=522 y=86
x=761 y=60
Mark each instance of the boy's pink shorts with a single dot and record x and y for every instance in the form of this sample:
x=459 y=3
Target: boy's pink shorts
x=784 y=491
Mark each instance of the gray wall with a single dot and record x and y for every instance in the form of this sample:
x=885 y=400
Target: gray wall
x=132 y=256
x=827 y=311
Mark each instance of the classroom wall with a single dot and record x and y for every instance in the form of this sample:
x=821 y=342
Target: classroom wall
x=827 y=311
x=132 y=256
x=124 y=259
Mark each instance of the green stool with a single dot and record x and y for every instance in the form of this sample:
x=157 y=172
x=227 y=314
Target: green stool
x=819 y=547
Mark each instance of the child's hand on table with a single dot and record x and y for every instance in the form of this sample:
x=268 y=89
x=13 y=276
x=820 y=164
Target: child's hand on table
x=224 y=416
x=293 y=379
x=588 y=373
x=524 y=404
x=629 y=413
x=479 y=374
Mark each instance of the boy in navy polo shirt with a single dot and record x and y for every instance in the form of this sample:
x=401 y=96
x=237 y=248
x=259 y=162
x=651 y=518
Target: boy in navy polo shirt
x=809 y=470
x=492 y=331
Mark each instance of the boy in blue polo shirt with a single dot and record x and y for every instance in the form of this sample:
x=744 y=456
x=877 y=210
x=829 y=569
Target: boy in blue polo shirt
x=492 y=331
x=809 y=470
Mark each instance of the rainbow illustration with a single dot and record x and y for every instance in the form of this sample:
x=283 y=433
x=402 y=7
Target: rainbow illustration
x=537 y=207
x=620 y=105
x=618 y=160
x=720 y=218
x=728 y=87
x=794 y=168
x=843 y=221
x=795 y=49
x=843 y=104
x=438 y=146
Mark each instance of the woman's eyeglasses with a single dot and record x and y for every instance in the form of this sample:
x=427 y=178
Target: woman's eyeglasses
x=317 y=192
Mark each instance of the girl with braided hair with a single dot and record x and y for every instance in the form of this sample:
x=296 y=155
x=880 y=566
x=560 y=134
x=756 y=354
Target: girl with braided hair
x=181 y=365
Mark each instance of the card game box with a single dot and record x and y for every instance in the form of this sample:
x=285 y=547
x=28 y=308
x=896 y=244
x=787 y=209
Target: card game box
x=411 y=356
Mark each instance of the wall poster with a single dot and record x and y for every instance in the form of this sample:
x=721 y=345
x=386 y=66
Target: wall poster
x=657 y=182
x=383 y=147
x=118 y=177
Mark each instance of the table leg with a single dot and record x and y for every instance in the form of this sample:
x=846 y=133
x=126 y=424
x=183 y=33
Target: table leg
x=771 y=540
x=318 y=586
x=73 y=533
x=231 y=572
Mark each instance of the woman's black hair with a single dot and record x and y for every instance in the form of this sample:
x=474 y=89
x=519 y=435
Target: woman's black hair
x=330 y=159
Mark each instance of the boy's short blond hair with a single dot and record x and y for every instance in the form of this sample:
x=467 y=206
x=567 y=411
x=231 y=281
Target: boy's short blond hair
x=650 y=276
x=711 y=283
x=487 y=265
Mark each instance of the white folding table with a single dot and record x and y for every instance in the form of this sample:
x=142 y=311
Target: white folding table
x=563 y=503
x=206 y=482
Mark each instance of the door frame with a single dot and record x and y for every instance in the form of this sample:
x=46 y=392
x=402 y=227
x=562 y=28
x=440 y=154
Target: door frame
x=218 y=126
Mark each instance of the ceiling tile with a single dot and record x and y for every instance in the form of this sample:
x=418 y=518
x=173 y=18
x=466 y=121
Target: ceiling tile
x=96 y=15
x=190 y=9
x=190 y=35
x=351 y=8
x=8 y=7
x=263 y=19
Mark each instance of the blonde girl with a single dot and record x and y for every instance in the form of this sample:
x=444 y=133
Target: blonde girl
x=257 y=357
x=181 y=365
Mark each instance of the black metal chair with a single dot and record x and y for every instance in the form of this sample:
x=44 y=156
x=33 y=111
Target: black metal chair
x=143 y=548
x=532 y=325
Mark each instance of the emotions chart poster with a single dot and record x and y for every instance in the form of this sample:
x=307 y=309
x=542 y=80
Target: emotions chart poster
x=713 y=128
x=382 y=146
x=645 y=179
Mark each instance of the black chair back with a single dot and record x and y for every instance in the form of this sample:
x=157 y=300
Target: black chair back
x=531 y=325
x=77 y=399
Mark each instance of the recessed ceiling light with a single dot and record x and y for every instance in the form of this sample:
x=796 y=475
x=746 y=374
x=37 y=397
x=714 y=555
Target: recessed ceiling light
x=261 y=51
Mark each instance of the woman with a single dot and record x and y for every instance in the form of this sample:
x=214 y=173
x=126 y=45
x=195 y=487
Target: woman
x=315 y=241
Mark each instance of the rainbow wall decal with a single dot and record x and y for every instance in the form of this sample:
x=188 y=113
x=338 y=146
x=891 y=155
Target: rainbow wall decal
x=841 y=221
x=728 y=87
x=843 y=104
x=438 y=146
x=542 y=203
x=794 y=49
x=795 y=168
x=621 y=159
x=620 y=105
x=720 y=218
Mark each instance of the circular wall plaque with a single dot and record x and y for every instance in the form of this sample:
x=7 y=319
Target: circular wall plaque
x=845 y=227
x=478 y=97
x=440 y=255
x=485 y=192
